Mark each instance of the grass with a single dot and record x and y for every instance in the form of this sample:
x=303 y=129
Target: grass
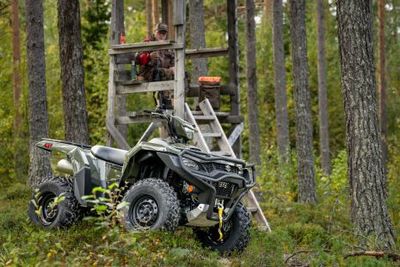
x=316 y=235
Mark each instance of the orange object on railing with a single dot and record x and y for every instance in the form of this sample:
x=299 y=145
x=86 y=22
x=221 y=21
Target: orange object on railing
x=210 y=80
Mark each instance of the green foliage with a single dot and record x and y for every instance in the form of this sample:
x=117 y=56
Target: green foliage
x=106 y=205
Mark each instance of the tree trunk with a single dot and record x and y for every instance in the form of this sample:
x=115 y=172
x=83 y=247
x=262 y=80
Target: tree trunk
x=39 y=169
x=382 y=77
x=19 y=152
x=304 y=136
x=197 y=37
x=72 y=74
x=282 y=121
x=322 y=91
x=233 y=44
x=254 y=138
x=365 y=164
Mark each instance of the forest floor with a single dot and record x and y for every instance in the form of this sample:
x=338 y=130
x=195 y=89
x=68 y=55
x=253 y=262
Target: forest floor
x=301 y=236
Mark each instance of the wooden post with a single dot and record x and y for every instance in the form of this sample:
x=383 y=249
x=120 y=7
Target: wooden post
x=179 y=24
x=170 y=21
x=149 y=17
x=164 y=11
x=117 y=29
x=155 y=16
x=233 y=50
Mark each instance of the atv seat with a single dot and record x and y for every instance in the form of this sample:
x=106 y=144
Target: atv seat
x=109 y=154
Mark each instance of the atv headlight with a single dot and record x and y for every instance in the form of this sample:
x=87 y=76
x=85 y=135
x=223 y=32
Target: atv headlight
x=191 y=164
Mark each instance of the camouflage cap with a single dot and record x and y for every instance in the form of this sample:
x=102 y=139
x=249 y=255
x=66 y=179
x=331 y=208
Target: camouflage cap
x=161 y=27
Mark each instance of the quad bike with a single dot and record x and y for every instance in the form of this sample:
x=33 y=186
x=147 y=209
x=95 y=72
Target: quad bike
x=168 y=183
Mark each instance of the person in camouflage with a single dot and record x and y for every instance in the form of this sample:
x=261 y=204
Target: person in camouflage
x=157 y=65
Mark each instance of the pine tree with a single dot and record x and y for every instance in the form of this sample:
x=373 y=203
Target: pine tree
x=365 y=162
x=282 y=121
x=322 y=91
x=72 y=74
x=254 y=137
x=305 y=171
x=39 y=169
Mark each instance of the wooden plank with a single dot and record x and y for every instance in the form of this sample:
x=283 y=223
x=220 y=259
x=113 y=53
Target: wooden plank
x=204 y=118
x=207 y=109
x=110 y=99
x=179 y=92
x=199 y=140
x=123 y=120
x=259 y=215
x=145 y=87
x=127 y=57
x=179 y=12
x=117 y=136
x=206 y=52
x=146 y=46
x=212 y=134
x=236 y=133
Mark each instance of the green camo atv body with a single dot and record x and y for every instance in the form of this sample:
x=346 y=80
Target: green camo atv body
x=166 y=183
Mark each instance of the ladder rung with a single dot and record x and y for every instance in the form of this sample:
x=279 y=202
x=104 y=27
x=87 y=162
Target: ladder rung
x=218 y=113
x=204 y=118
x=212 y=134
x=252 y=209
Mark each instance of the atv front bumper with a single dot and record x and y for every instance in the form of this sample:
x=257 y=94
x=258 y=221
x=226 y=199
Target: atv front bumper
x=216 y=178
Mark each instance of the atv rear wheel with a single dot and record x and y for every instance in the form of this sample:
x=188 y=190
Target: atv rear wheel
x=236 y=232
x=54 y=205
x=153 y=204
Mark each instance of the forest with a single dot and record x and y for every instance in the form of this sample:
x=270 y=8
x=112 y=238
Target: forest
x=318 y=82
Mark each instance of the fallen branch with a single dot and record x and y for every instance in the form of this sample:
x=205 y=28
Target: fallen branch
x=377 y=254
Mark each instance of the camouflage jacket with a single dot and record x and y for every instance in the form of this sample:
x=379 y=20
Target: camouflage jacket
x=158 y=68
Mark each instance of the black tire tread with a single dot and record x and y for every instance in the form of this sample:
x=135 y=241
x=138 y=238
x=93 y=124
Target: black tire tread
x=173 y=216
x=72 y=211
x=243 y=218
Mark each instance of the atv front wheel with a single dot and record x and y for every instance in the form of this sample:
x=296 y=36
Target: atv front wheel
x=54 y=205
x=153 y=204
x=236 y=232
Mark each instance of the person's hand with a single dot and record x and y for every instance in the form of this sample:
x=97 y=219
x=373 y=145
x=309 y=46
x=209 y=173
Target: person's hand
x=140 y=78
x=172 y=69
x=154 y=56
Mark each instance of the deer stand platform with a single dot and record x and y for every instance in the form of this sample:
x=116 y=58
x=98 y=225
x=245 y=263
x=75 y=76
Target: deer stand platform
x=210 y=136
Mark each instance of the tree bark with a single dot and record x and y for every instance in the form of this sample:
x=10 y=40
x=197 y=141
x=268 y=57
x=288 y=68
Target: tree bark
x=382 y=77
x=233 y=44
x=322 y=91
x=72 y=74
x=254 y=138
x=365 y=163
x=282 y=121
x=39 y=169
x=19 y=151
x=197 y=37
x=306 y=175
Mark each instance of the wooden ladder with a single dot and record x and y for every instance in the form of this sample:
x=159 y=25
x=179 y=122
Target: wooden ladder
x=221 y=147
